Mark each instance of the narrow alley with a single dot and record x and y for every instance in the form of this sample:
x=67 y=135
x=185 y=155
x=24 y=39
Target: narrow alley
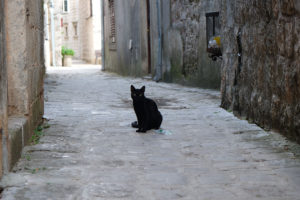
x=91 y=152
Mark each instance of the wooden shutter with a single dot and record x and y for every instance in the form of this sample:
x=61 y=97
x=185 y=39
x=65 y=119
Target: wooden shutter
x=112 y=21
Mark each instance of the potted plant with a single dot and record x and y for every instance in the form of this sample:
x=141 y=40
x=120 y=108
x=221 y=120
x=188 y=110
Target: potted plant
x=67 y=56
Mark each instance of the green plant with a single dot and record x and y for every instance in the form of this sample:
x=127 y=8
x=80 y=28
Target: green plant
x=28 y=158
x=37 y=134
x=66 y=51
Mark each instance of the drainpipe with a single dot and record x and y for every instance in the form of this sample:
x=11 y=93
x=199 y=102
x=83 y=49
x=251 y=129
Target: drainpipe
x=52 y=33
x=102 y=35
x=158 y=71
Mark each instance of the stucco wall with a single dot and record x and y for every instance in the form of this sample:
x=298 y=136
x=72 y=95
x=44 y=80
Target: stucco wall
x=131 y=25
x=3 y=83
x=264 y=85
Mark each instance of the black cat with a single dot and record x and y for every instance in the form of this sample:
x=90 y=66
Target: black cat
x=148 y=116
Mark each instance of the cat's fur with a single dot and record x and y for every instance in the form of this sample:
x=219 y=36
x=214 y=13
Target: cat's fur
x=148 y=116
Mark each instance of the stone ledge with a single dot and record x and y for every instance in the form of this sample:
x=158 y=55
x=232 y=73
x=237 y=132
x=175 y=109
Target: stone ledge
x=17 y=130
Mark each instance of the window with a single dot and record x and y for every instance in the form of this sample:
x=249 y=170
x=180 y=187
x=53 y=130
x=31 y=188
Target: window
x=65 y=6
x=66 y=31
x=213 y=35
x=91 y=8
x=75 y=29
x=111 y=5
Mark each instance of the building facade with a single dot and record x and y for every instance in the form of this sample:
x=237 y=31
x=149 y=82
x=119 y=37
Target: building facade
x=21 y=76
x=166 y=39
x=76 y=25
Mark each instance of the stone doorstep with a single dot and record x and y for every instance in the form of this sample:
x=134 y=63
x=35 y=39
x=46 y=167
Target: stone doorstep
x=18 y=131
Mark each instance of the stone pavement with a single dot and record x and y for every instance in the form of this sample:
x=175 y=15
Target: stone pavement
x=91 y=152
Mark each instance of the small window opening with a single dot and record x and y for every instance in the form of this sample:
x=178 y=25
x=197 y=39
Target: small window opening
x=66 y=31
x=91 y=8
x=65 y=6
x=213 y=35
x=75 y=29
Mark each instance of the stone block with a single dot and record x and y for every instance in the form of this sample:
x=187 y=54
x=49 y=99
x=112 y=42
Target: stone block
x=287 y=7
x=18 y=135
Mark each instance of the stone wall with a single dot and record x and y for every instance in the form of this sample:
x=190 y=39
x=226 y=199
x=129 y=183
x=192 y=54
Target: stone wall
x=263 y=83
x=184 y=56
x=189 y=22
x=25 y=73
x=35 y=60
x=86 y=31
x=3 y=85
x=16 y=55
x=25 y=55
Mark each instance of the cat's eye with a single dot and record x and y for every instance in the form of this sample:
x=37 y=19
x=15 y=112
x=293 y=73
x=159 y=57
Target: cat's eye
x=134 y=94
x=141 y=95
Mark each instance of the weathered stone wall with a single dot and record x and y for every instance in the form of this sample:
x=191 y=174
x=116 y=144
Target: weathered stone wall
x=185 y=59
x=35 y=59
x=25 y=55
x=86 y=31
x=25 y=72
x=3 y=84
x=131 y=25
x=16 y=55
x=264 y=83
x=189 y=22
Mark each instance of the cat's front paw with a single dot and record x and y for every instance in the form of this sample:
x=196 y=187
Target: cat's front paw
x=141 y=131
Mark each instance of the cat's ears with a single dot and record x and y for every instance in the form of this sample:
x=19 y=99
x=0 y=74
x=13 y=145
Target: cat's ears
x=132 y=88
